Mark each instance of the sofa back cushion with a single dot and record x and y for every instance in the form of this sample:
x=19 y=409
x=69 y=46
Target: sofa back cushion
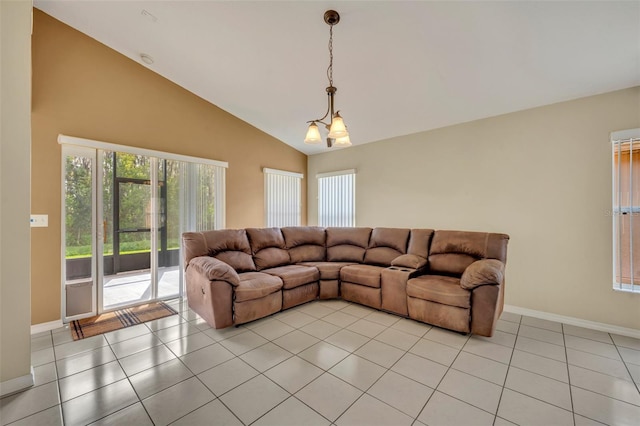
x=385 y=245
x=305 y=243
x=347 y=244
x=452 y=251
x=268 y=247
x=419 y=242
x=227 y=245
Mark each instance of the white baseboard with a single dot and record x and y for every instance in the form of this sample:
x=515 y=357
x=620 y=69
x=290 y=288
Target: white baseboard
x=46 y=326
x=578 y=322
x=15 y=385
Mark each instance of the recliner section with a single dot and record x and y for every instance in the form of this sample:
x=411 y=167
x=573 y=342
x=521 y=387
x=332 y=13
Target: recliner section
x=299 y=283
x=362 y=283
x=452 y=279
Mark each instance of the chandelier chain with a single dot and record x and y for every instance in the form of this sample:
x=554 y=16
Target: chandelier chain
x=330 y=69
x=338 y=134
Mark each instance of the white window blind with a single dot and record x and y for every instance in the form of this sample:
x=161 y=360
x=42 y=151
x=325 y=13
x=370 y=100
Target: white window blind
x=337 y=198
x=206 y=210
x=626 y=208
x=282 y=197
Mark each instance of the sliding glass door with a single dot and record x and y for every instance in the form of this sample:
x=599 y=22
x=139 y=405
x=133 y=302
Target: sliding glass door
x=124 y=214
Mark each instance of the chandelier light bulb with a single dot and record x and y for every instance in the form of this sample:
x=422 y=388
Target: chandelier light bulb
x=338 y=129
x=313 y=134
x=342 y=142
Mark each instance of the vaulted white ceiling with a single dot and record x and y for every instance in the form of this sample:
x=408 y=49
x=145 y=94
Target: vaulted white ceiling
x=400 y=67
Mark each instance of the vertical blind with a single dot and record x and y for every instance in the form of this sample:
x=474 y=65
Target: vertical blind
x=337 y=198
x=626 y=207
x=207 y=207
x=282 y=197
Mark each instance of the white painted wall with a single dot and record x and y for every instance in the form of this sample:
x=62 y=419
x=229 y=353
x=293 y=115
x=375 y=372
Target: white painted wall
x=15 y=178
x=541 y=175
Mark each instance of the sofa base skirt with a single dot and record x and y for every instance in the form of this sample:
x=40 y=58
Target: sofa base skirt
x=258 y=308
x=299 y=295
x=329 y=289
x=445 y=316
x=361 y=294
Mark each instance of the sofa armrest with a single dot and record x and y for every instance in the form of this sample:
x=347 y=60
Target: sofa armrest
x=482 y=272
x=409 y=261
x=214 y=270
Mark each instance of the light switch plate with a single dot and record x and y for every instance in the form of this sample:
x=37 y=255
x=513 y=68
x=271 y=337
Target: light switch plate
x=39 y=220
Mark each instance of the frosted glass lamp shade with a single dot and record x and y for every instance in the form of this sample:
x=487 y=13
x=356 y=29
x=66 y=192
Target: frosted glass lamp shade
x=313 y=134
x=338 y=129
x=343 y=141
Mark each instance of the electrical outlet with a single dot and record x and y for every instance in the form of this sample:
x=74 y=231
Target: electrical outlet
x=39 y=220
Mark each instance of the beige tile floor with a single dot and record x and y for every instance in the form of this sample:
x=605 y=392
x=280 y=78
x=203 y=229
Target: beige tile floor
x=331 y=362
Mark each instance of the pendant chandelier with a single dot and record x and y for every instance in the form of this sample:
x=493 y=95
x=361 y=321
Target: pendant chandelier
x=338 y=134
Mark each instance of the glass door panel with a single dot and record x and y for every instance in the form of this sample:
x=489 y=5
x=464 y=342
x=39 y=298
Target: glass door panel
x=78 y=229
x=128 y=215
x=171 y=212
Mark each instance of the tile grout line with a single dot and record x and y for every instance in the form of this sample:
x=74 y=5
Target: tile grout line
x=291 y=395
x=43 y=384
x=415 y=419
x=188 y=378
x=637 y=386
x=598 y=372
x=363 y=392
x=350 y=353
x=55 y=363
x=130 y=384
x=504 y=383
x=566 y=355
x=435 y=388
x=127 y=377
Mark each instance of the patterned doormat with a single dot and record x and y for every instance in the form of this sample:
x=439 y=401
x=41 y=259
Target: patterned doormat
x=122 y=318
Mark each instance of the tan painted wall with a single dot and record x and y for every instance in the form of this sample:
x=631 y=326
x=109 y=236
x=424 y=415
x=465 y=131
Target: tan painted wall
x=83 y=88
x=541 y=175
x=15 y=98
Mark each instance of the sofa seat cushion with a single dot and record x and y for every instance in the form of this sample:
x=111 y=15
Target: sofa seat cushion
x=440 y=289
x=368 y=275
x=328 y=270
x=254 y=285
x=294 y=275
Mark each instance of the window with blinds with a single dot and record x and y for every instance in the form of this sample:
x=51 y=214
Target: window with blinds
x=337 y=198
x=282 y=198
x=626 y=208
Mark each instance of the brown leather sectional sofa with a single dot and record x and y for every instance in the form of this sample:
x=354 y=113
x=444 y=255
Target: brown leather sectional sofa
x=451 y=279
